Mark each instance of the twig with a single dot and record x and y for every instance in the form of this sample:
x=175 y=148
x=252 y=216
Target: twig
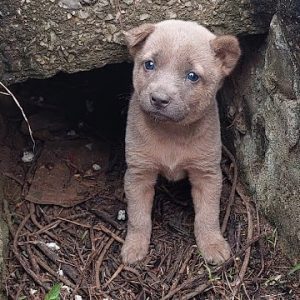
x=23 y=114
x=38 y=225
x=32 y=257
x=8 y=217
x=13 y=177
x=68 y=270
x=182 y=286
x=106 y=218
x=87 y=264
x=183 y=267
x=21 y=286
x=99 y=262
x=260 y=245
x=23 y=263
x=118 y=271
x=92 y=238
x=245 y=263
x=133 y=271
x=244 y=266
x=233 y=187
x=176 y=263
x=198 y=290
x=52 y=272
x=217 y=271
x=99 y=227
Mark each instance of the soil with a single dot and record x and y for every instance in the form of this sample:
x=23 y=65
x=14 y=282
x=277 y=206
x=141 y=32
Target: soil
x=62 y=208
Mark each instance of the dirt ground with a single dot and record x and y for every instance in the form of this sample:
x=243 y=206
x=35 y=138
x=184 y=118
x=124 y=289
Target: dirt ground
x=63 y=208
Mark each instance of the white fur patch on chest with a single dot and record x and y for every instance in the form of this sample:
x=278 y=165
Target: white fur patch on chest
x=172 y=164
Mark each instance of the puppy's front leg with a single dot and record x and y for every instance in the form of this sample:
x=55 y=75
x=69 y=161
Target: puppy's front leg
x=206 y=191
x=139 y=190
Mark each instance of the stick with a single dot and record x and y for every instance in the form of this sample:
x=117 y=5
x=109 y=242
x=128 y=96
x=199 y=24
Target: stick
x=23 y=263
x=118 y=271
x=183 y=267
x=244 y=266
x=99 y=262
x=233 y=187
x=198 y=290
x=99 y=227
x=23 y=114
x=52 y=272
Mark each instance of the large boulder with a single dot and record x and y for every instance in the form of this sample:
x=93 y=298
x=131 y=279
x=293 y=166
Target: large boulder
x=38 y=38
x=266 y=103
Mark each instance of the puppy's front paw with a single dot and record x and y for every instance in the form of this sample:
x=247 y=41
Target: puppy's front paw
x=215 y=250
x=134 y=250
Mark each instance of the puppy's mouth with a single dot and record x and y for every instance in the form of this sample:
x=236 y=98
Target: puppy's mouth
x=163 y=117
x=163 y=114
x=157 y=115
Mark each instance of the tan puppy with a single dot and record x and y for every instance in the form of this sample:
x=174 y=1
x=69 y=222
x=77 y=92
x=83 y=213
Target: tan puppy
x=173 y=127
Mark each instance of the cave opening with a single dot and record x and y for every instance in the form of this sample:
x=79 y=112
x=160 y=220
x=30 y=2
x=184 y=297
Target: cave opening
x=74 y=111
x=78 y=122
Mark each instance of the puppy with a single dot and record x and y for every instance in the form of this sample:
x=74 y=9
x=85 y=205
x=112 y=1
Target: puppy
x=173 y=127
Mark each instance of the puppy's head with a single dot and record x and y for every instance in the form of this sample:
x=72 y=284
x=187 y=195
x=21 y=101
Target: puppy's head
x=178 y=68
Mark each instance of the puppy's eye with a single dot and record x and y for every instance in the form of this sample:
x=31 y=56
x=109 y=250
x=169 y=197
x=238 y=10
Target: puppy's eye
x=149 y=65
x=192 y=76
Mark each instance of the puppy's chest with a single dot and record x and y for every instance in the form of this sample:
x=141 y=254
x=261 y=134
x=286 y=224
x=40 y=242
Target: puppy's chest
x=173 y=161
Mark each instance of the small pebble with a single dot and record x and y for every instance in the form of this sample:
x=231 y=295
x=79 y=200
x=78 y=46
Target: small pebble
x=60 y=272
x=144 y=17
x=32 y=291
x=71 y=133
x=67 y=288
x=96 y=167
x=121 y=215
x=70 y=4
x=27 y=157
x=53 y=246
x=89 y=146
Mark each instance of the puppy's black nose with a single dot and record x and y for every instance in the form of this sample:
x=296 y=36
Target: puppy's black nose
x=159 y=101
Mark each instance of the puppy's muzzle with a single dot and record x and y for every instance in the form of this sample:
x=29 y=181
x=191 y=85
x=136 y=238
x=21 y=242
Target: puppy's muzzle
x=159 y=100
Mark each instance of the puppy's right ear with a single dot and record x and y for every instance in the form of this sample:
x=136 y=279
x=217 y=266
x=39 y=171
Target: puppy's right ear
x=136 y=36
x=227 y=51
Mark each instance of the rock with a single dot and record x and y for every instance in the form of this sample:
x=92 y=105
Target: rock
x=267 y=99
x=40 y=38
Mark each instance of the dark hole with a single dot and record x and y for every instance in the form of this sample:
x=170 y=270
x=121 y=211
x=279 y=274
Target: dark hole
x=86 y=108
x=97 y=99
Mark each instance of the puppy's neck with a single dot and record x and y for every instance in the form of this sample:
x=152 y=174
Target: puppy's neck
x=173 y=130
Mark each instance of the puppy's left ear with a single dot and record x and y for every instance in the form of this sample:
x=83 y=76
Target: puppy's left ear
x=227 y=50
x=136 y=36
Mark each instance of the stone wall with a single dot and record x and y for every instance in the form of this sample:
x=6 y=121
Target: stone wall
x=39 y=38
x=266 y=109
